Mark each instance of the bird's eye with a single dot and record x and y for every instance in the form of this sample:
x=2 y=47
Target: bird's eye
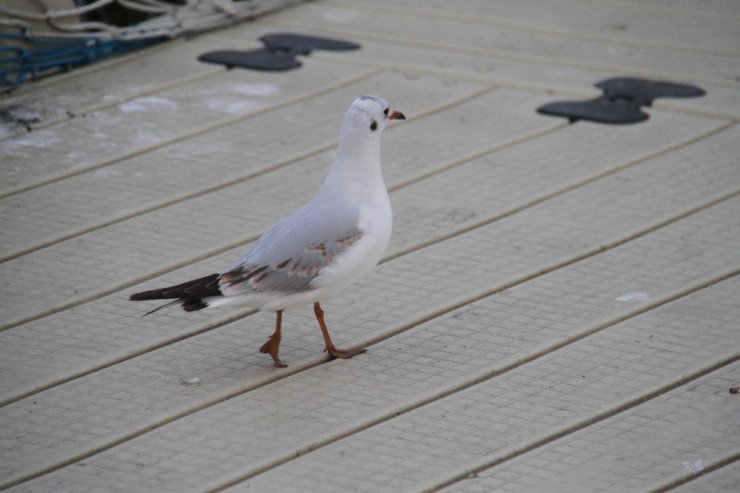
x=385 y=111
x=374 y=126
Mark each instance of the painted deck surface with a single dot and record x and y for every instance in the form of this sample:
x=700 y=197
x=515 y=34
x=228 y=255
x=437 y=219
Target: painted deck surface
x=559 y=309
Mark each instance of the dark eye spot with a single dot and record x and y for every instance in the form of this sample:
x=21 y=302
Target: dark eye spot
x=385 y=111
x=374 y=126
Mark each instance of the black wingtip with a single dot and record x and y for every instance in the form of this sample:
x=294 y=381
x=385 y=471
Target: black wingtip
x=154 y=294
x=196 y=288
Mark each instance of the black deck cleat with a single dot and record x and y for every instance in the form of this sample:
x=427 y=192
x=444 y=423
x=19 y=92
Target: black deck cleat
x=279 y=53
x=303 y=45
x=621 y=102
x=644 y=91
x=261 y=59
x=601 y=109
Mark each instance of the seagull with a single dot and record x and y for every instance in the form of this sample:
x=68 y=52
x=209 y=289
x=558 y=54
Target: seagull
x=318 y=250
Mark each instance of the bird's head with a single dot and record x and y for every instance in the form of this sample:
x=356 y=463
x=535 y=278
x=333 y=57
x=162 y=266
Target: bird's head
x=368 y=116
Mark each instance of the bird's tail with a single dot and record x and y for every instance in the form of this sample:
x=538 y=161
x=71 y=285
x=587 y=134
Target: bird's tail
x=190 y=293
x=197 y=288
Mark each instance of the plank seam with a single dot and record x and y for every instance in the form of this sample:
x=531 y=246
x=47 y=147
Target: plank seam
x=479 y=153
x=710 y=465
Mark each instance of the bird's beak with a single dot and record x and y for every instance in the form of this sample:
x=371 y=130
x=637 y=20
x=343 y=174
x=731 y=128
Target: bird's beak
x=396 y=115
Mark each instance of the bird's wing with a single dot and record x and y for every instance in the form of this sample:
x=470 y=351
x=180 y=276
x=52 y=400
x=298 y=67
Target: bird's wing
x=290 y=275
x=293 y=252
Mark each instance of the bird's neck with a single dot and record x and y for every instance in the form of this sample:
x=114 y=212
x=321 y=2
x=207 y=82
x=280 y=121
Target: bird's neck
x=355 y=172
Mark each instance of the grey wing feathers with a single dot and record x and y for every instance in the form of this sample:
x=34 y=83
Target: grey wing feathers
x=288 y=275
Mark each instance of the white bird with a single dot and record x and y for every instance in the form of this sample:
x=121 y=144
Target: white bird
x=318 y=250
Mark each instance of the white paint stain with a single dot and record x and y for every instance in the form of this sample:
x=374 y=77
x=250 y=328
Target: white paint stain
x=37 y=140
x=262 y=89
x=633 y=296
x=695 y=466
x=148 y=103
x=228 y=105
x=190 y=381
x=19 y=146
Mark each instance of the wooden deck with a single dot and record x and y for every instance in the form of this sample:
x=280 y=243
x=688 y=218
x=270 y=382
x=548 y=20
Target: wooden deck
x=559 y=309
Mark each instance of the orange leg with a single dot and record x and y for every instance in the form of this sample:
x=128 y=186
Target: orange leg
x=272 y=346
x=333 y=351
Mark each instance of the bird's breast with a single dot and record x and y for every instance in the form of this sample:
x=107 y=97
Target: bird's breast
x=375 y=222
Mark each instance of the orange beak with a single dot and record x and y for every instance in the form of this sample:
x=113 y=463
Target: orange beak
x=396 y=115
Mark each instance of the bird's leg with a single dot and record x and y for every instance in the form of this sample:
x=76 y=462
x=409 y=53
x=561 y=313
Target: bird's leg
x=333 y=351
x=272 y=346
